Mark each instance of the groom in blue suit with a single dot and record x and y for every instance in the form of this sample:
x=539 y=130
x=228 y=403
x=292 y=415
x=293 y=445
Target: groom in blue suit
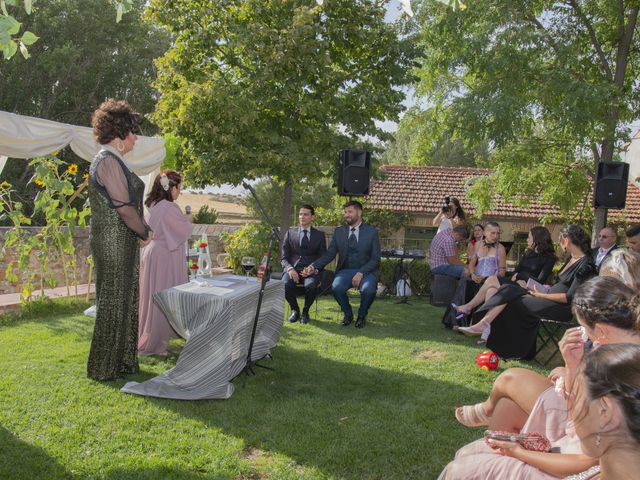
x=358 y=248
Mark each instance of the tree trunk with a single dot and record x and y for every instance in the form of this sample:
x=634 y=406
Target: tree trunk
x=287 y=206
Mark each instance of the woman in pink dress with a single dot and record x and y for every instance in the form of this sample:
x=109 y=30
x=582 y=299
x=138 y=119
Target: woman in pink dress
x=162 y=262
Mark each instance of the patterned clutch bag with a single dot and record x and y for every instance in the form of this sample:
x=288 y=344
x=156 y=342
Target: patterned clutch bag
x=529 y=441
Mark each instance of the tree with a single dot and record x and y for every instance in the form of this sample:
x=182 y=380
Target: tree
x=82 y=58
x=550 y=85
x=419 y=142
x=274 y=89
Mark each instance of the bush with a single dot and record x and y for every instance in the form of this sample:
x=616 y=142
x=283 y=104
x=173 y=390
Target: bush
x=419 y=275
x=205 y=216
x=251 y=240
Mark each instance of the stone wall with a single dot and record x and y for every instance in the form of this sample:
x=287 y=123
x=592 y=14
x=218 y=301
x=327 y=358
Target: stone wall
x=83 y=249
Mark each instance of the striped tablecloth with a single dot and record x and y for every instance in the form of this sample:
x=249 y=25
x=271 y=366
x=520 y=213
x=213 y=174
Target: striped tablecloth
x=216 y=318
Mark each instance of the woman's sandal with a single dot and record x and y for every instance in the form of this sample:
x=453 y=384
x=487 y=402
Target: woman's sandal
x=472 y=415
x=473 y=330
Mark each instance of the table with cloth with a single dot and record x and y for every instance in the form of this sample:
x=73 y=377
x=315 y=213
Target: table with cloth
x=215 y=316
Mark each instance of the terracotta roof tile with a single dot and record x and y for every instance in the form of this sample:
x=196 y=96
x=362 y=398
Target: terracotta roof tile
x=422 y=190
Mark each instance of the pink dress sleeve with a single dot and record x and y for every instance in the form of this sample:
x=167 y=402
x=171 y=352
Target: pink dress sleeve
x=169 y=224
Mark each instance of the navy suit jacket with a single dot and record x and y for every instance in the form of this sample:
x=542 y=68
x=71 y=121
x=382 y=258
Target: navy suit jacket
x=368 y=249
x=291 y=252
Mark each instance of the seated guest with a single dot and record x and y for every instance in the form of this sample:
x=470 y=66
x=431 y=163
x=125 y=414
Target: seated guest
x=624 y=265
x=475 y=237
x=537 y=263
x=605 y=410
x=357 y=246
x=523 y=401
x=489 y=257
x=633 y=238
x=606 y=244
x=514 y=312
x=443 y=257
x=301 y=246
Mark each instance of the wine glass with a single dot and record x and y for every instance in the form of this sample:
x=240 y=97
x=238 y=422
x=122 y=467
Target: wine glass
x=248 y=263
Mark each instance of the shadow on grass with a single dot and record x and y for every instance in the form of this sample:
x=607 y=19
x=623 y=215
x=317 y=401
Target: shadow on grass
x=19 y=460
x=345 y=419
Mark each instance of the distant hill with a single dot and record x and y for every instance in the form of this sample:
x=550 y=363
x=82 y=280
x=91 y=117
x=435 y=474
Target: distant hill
x=229 y=207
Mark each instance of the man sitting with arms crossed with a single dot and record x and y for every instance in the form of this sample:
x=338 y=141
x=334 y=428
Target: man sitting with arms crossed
x=606 y=244
x=301 y=246
x=443 y=258
x=358 y=248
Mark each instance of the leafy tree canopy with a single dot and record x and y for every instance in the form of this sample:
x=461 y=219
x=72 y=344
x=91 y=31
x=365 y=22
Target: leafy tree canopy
x=262 y=88
x=549 y=85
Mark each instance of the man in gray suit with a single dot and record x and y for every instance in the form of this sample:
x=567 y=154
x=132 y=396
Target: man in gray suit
x=358 y=248
x=301 y=246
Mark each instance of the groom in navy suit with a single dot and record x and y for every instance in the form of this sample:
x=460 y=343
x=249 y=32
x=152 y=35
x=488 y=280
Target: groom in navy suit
x=358 y=248
x=301 y=246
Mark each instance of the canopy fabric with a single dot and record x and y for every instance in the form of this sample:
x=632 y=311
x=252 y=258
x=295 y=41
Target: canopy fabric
x=29 y=137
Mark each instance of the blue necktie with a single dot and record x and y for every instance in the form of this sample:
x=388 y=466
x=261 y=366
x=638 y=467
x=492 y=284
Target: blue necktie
x=353 y=241
x=304 y=244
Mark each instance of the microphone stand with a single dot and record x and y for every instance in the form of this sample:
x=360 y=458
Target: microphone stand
x=275 y=235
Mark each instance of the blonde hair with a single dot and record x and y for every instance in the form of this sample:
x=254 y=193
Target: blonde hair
x=623 y=265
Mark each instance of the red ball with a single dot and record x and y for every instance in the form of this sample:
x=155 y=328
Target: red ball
x=487 y=360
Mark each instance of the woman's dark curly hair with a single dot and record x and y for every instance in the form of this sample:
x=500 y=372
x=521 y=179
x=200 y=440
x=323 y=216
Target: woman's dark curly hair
x=158 y=192
x=114 y=119
x=576 y=235
x=542 y=243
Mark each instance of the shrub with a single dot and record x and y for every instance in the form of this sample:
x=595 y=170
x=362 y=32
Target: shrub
x=251 y=240
x=205 y=216
x=419 y=275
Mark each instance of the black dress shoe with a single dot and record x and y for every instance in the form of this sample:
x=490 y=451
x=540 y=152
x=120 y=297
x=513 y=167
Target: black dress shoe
x=304 y=319
x=293 y=318
x=346 y=320
x=360 y=322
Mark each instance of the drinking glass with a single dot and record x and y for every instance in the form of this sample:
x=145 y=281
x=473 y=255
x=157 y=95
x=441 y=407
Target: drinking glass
x=248 y=263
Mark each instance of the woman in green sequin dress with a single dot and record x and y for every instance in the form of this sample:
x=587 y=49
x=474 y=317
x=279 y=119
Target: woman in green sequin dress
x=117 y=231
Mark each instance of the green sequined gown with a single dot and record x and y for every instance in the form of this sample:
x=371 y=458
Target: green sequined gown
x=115 y=253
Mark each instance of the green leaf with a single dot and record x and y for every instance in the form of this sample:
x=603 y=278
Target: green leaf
x=3 y=7
x=27 y=6
x=10 y=50
x=119 y=12
x=29 y=38
x=9 y=24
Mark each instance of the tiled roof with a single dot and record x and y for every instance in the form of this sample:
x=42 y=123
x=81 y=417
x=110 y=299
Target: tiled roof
x=421 y=190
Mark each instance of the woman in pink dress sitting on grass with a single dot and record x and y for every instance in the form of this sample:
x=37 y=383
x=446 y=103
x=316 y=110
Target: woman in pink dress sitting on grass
x=162 y=262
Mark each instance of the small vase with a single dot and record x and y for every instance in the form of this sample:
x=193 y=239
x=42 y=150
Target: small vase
x=193 y=274
x=204 y=262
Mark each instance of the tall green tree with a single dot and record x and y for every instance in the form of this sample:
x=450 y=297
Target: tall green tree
x=275 y=88
x=551 y=85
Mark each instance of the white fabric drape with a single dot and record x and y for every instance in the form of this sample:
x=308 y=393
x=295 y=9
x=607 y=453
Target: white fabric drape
x=28 y=137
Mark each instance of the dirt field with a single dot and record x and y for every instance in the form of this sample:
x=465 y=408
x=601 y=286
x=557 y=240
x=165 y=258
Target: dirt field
x=228 y=212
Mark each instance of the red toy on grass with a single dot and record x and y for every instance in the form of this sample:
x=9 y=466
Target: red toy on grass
x=487 y=360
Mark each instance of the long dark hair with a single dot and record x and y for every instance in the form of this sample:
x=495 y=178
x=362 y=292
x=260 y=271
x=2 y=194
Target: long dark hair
x=609 y=301
x=614 y=370
x=542 y=243
x=158 y=192
x=459 y=211
x=578 y=237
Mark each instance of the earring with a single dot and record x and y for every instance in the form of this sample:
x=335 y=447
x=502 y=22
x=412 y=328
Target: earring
x=120 y=146
x=598 y=439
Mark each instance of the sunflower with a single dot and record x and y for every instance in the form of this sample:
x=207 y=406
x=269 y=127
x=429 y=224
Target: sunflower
x=39 y=182
x=85 y=177
x=5 y=185
x=73 y=169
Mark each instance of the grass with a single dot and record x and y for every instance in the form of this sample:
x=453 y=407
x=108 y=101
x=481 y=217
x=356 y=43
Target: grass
x=341 y=403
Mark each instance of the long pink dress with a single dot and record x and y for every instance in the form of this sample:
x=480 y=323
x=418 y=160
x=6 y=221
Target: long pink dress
x=478 y=461
x=162 y=266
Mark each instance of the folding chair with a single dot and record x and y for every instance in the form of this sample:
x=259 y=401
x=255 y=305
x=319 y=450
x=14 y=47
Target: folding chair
x=549 y=334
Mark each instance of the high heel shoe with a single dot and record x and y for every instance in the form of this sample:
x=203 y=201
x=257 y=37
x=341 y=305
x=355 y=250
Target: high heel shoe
x=460 y=312
x=473 y=330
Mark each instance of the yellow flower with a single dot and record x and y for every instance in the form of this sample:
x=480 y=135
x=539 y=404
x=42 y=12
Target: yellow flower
x=5 y=185
x=24 y=219
x=85 y=177
x=73 y=169
x=26 y=293
x=56 y=153
x=39 y=182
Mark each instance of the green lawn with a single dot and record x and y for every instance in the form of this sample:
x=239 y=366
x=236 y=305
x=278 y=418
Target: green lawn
x=341 y=403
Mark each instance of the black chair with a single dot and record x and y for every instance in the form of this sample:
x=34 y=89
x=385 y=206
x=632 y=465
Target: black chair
x=443 y=287
x=324 y=286
x=550 y=333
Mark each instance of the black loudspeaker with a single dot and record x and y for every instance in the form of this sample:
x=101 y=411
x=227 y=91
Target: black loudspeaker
x=353 y=175
x=610 y=190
